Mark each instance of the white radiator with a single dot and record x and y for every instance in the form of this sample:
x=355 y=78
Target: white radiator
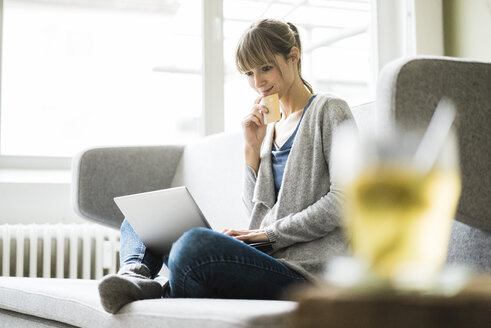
x=77 y=251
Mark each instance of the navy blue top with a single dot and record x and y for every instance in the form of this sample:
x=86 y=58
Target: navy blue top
x=279 y=156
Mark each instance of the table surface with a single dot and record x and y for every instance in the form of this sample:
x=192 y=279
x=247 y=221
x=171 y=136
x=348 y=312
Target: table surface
x=330 y=306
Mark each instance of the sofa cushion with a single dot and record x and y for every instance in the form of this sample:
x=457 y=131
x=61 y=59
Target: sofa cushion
x=12 y=319
x=364 y=116
x=211 y=169
x=76 y=302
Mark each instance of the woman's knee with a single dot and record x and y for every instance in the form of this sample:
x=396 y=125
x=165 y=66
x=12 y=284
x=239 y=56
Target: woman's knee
x=195 y=237
x=192 y=245
x=197 y=234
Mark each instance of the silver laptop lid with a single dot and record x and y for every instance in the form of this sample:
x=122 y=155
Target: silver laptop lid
x=160 y=217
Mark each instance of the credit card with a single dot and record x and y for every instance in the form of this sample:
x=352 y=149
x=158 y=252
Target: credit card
x=272 y=103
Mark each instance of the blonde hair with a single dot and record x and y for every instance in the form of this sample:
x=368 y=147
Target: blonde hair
x=263 y=40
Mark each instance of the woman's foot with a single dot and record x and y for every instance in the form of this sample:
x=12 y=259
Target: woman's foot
x=133 y=282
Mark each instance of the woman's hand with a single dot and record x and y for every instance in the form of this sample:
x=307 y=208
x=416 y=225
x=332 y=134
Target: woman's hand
x=254 y=127
x=254 y=133
x=248 y=236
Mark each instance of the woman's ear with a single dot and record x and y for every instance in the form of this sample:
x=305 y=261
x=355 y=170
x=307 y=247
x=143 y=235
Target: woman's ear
x=294 y=54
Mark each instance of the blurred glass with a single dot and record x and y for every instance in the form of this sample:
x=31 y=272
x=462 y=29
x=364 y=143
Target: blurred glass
x=399 y=213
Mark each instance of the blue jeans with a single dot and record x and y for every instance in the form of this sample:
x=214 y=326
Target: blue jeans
x=207 y=264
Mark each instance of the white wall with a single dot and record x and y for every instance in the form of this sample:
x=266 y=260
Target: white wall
x=39 y=202
x=428 y=27
x=468 y=28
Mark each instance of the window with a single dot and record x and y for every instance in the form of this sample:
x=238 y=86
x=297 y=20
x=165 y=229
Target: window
x=83 y=73
x=336 y=46
x=80 y=73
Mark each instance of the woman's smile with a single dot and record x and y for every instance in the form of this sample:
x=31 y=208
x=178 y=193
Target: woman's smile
x=266 y=92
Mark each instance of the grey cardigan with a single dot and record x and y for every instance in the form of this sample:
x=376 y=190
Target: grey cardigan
x=305 y=221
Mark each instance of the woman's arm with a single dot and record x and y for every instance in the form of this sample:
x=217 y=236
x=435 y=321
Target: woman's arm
x=254 y=131
x=324 y=215
x=314 y=222
x=248 y=186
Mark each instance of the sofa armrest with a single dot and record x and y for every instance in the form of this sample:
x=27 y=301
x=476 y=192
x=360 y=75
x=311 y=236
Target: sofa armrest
x=408 y=91
x=100 y=174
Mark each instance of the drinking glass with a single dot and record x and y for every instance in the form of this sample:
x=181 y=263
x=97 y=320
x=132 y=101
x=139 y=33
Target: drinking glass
x=401 y=200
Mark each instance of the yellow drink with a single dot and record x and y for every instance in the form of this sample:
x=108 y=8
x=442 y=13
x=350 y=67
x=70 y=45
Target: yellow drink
x=399 y=221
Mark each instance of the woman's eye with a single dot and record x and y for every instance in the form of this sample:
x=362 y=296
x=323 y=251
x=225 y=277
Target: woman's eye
x=266 y=68
x=248 y=73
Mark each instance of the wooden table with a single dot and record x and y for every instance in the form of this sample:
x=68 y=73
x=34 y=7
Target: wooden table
x=329 y=306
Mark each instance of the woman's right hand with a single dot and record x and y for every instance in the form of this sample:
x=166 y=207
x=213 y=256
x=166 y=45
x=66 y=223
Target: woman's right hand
x=254 y=127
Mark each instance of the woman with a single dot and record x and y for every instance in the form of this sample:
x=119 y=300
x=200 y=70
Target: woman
x=288 y=190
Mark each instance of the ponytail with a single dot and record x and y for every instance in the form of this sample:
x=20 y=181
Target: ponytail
x=296 y=35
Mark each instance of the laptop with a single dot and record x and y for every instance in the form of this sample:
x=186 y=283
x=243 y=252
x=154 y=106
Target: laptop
x=160 y=217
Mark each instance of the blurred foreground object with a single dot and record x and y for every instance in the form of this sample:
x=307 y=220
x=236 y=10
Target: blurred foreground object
x=407 y=93
x=333 y=307
x=402 y=190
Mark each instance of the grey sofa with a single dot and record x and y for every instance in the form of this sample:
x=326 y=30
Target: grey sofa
x=408 y=91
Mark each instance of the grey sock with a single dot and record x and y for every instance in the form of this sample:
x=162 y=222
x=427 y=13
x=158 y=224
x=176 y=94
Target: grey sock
x=166 y=289
x=133 y=282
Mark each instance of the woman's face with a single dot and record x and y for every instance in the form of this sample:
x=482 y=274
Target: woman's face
x=268 y=79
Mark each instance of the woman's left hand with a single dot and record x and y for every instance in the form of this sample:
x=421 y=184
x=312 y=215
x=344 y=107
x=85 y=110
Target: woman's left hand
x=248 y=236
